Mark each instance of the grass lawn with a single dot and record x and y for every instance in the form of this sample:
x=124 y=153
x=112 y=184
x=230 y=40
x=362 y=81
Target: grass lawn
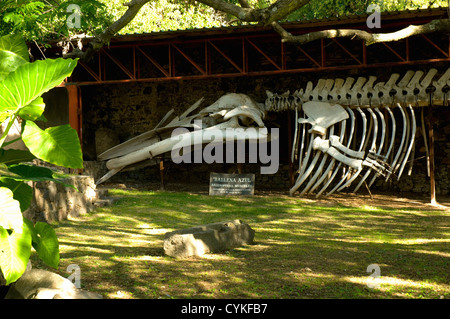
x=304 y=248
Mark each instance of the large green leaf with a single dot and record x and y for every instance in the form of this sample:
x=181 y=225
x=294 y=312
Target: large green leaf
x=12 y=156
x=34 y=110
x=57 y=145
x=4 y=172
x=8 y=63
x=31 y=172
x=25 y=172
x=31 y=80
x=13 y=53
x=15 y=250
x=45 y=242
x=10 y=214
x=22 y=192
x=16 y=44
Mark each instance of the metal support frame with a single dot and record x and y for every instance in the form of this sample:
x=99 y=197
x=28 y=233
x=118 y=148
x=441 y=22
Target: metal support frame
x=238 y=52
x=255 y=52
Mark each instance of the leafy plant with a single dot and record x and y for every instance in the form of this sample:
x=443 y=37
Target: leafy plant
x=41 y=21
x=21 y=85
x=320 y=9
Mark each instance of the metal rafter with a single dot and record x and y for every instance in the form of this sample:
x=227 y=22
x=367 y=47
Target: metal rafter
x=226 y=56
x=118 y=63
x=154 y=62
x=264 y=54
x=191 y=61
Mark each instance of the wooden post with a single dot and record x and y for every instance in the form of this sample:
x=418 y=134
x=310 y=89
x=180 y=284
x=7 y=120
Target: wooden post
x=75 y=108
x=239 y=168
x=291 y=165
x=161 y=173
x=431 y=121
x=75 y=113
x=431 y=146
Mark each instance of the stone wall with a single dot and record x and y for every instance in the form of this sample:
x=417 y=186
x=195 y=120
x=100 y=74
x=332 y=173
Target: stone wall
x=73 y=196
x=55 y=201
x=133 y=108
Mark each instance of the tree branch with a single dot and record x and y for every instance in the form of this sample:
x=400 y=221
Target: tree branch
x=102 y=39
x=281 y=9
x=244 y=12
x=370 y=38
x=244 y=3
x=274 y=12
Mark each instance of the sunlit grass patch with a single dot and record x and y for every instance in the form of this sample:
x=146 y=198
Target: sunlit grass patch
x=303 y=249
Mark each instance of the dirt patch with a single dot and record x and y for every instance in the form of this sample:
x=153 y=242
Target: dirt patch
x=377 y=199
x=389 y=200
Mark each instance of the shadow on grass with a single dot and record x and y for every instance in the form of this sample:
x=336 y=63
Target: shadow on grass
x=302 y=250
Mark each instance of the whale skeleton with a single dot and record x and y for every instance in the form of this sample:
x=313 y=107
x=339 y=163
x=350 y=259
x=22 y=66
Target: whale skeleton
x=376 y=121
x=383 y=122
x=231 y=111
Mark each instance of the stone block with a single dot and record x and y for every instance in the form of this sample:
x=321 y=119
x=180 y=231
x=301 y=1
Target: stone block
x=55 y=201
x=210 y=238
x=43 y=284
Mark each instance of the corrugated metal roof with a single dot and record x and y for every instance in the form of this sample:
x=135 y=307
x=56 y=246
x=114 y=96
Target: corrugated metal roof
x=439 y=12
